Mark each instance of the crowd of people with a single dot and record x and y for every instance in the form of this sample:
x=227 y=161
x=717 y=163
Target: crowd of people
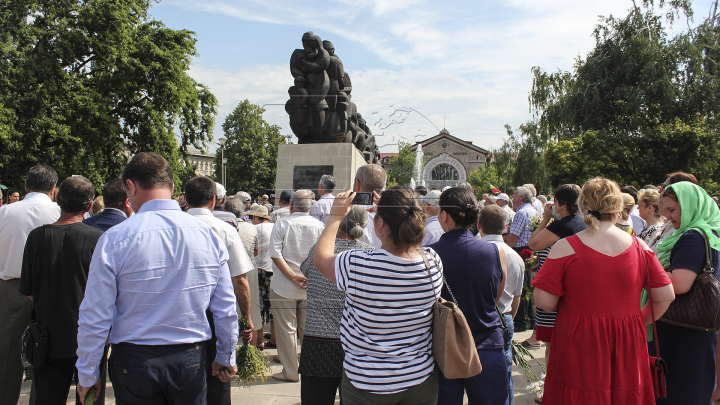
x=146 y=284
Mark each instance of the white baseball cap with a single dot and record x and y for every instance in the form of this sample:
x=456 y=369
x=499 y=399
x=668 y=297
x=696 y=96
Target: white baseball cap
x=220 y=192
x=503 y=196
x=432 y=197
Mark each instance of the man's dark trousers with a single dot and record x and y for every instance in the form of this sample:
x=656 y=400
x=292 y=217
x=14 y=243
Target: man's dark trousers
x=51 y=384
x=170 y=374
x=15 y=310
x=218 y=392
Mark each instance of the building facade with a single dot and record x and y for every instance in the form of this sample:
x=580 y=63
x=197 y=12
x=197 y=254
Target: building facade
x=204 y=163
x=449 y=160
x=386 y=160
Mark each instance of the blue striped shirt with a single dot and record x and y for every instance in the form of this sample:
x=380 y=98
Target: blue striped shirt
x=386 y=328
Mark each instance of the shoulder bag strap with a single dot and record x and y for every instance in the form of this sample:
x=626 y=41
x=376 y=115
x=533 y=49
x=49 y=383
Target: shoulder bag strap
x=427 y=267
x=650 y=300
x=708 y=253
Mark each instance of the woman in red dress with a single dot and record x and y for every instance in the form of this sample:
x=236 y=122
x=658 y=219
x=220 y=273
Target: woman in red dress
x=594 y=279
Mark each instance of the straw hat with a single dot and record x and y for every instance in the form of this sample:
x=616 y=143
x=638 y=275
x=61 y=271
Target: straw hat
x=259 y=211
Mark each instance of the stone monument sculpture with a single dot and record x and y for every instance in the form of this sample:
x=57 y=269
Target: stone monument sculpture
x=319 y=107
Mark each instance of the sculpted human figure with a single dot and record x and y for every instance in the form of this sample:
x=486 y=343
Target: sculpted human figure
x=335 y=122
x=320 y=106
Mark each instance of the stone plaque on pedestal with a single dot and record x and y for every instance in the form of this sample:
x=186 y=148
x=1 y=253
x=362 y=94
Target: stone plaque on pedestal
x=302 y=166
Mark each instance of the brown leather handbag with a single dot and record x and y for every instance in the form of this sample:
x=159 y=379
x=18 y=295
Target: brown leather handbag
x=453 y=345
x=658 y=368
x=698 y=308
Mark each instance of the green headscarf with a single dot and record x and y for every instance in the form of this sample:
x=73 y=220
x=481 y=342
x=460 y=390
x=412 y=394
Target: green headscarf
x=698 y=211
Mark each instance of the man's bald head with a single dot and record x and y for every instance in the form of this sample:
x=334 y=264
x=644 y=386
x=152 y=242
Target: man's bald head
x=369 y=178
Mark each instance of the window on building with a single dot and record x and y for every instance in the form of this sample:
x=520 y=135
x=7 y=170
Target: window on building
x=444 y=172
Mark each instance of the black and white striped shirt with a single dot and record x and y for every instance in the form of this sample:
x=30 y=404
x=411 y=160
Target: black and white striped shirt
x=386 y=328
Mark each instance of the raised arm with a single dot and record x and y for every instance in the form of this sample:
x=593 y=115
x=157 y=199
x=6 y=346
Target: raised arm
x=663 y=296
x=324 y=256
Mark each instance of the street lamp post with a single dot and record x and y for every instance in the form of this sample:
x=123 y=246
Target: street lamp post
x=222 y=141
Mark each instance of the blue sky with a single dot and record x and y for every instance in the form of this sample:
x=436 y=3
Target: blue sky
x=465 y=65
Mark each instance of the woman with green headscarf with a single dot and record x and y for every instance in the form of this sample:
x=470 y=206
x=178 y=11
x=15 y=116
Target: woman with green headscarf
x=689 y=353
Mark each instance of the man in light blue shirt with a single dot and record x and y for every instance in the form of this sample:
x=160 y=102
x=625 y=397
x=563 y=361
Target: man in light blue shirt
x=151 y=279
x=433 y=230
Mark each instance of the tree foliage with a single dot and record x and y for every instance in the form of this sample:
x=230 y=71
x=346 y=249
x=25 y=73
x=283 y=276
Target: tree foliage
x=84 y=84
x=403 y=166
x=250 y=149
x=639 y=106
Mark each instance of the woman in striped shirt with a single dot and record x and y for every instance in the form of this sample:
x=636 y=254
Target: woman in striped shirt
x=387 y=317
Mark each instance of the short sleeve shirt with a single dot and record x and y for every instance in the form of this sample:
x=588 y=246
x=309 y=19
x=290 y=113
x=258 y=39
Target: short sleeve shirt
x=521 y=224
x=249 y=236
x=689 y=253
x=263 y=260
x=55 y=268
x=568 y=226
x=386 y=326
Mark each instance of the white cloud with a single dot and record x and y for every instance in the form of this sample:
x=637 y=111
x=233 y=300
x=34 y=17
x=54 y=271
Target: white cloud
x=468 y=62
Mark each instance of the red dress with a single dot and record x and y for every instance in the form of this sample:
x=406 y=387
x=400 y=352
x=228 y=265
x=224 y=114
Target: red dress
x=599 y=353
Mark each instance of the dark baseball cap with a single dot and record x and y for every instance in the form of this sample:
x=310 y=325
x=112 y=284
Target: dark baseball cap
x=286 y=195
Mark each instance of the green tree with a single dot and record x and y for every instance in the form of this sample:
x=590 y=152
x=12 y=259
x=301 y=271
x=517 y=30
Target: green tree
x=86 y=84
x=640 y=105
x=251 y=150
x=403 y=166
x=482 y=177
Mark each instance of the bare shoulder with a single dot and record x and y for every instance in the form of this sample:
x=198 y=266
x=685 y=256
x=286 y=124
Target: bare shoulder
x=561 y=249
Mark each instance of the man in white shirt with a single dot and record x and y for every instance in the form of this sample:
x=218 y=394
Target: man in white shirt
x=16 y=222
x=503 y=201
x=284 y=203
x=218 y=211
x=290 y=242
x=201 y=194
x=321 y=209
x=370 y=178
x=433 y=230
x=535 y=202
x=490 y=224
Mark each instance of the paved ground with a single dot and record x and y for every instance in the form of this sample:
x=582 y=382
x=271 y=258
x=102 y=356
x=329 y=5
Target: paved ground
x=274 y=392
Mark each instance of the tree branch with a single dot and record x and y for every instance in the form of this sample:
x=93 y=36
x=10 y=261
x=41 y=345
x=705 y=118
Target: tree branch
x=131 y=105
x=77 y=69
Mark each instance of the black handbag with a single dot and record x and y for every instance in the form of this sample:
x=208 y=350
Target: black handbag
x=35 y=340
x=698 y=308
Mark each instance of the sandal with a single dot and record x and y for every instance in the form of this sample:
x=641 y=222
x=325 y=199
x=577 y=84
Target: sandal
x=526 y=344
x=270 y=345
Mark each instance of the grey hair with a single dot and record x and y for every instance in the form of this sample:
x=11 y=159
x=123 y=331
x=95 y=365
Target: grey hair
x=243 y=196
x=525 y=193
x=234 y=205
x=355 y=222
x=542 y=199
x=302 y=200
x=531 y=188
x=372 y=177
x=327 y=182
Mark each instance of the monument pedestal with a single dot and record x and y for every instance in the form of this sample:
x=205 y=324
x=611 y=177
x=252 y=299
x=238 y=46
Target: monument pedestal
x=302 y=166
